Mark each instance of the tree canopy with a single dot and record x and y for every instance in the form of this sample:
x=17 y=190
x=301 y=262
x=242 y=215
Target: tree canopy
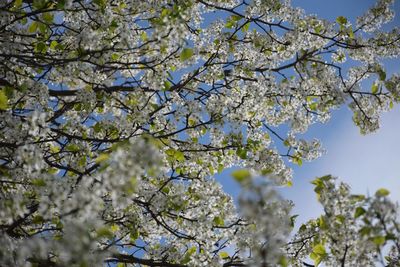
x=115 y=115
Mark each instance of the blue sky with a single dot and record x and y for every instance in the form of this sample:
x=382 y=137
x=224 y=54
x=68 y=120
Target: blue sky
x=366 y=163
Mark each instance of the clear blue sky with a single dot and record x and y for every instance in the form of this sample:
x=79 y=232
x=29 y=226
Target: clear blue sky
x=366 y=163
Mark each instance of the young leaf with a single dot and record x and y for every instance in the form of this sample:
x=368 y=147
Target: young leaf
x=241 y=175
x=218 y=221
x=318 y=254
x=224 y=255
x=186 y=54
x=102 y=157
x=379 y=240
x=341 y=20
x=3 y=100
x=374 y=88
x=246 y=27
x=242 y=153
x=382 y=75
x=53 y=45
x=359 y=211
x=33 y=27
x=382 y=192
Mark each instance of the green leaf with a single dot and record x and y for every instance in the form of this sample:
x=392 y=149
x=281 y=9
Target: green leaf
x=242 y=153
x=185 y=259
x=350 y=32
x=374 y=88
x=390 y=236
x=40 y=47
x=319 y=249
x=17 y=3
x=113 y=25
x=340 y=218
x=390 y=85
x=318 y=254
x=3 y=100
x=188 y=255
x=322 y=223
x=283 y=262
x=101 y=3
x=165 y=12
x=48 y=17
x=167 y=85
x=39 y=182
x=379 y=240
x=179 y=156
x=318 y=29
x=102 y=157
x=165 y=189
x=286 y=142
x=382 y=192
x=9 y=91
x=104 y=232
x=302 y=228
x=191 y=250
x=236 y=17
x=229 y=24
x=357 y=198
x=341 y=20
x=224 y=255
x=134 y=235
x=221 y=167
x=266 y=171
x=73 y=148
x=114 y=56
x=382 y=75
x=33 y=27
x=218 y=221
x=359 y=211
x=39 y=4
x=293 y=220
x=365 y=231
x=297 y=160
x=143 y=36
x=60 y=4
x=114 y=228
x=277 y=5
x=175 y=154
x=241 y=175
x=42 y=28
x=313 y=106
x=53 y=45
x=246 y=27
x=186 y=54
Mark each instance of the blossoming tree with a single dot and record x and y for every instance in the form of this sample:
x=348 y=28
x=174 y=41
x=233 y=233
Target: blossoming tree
x=116 y=114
